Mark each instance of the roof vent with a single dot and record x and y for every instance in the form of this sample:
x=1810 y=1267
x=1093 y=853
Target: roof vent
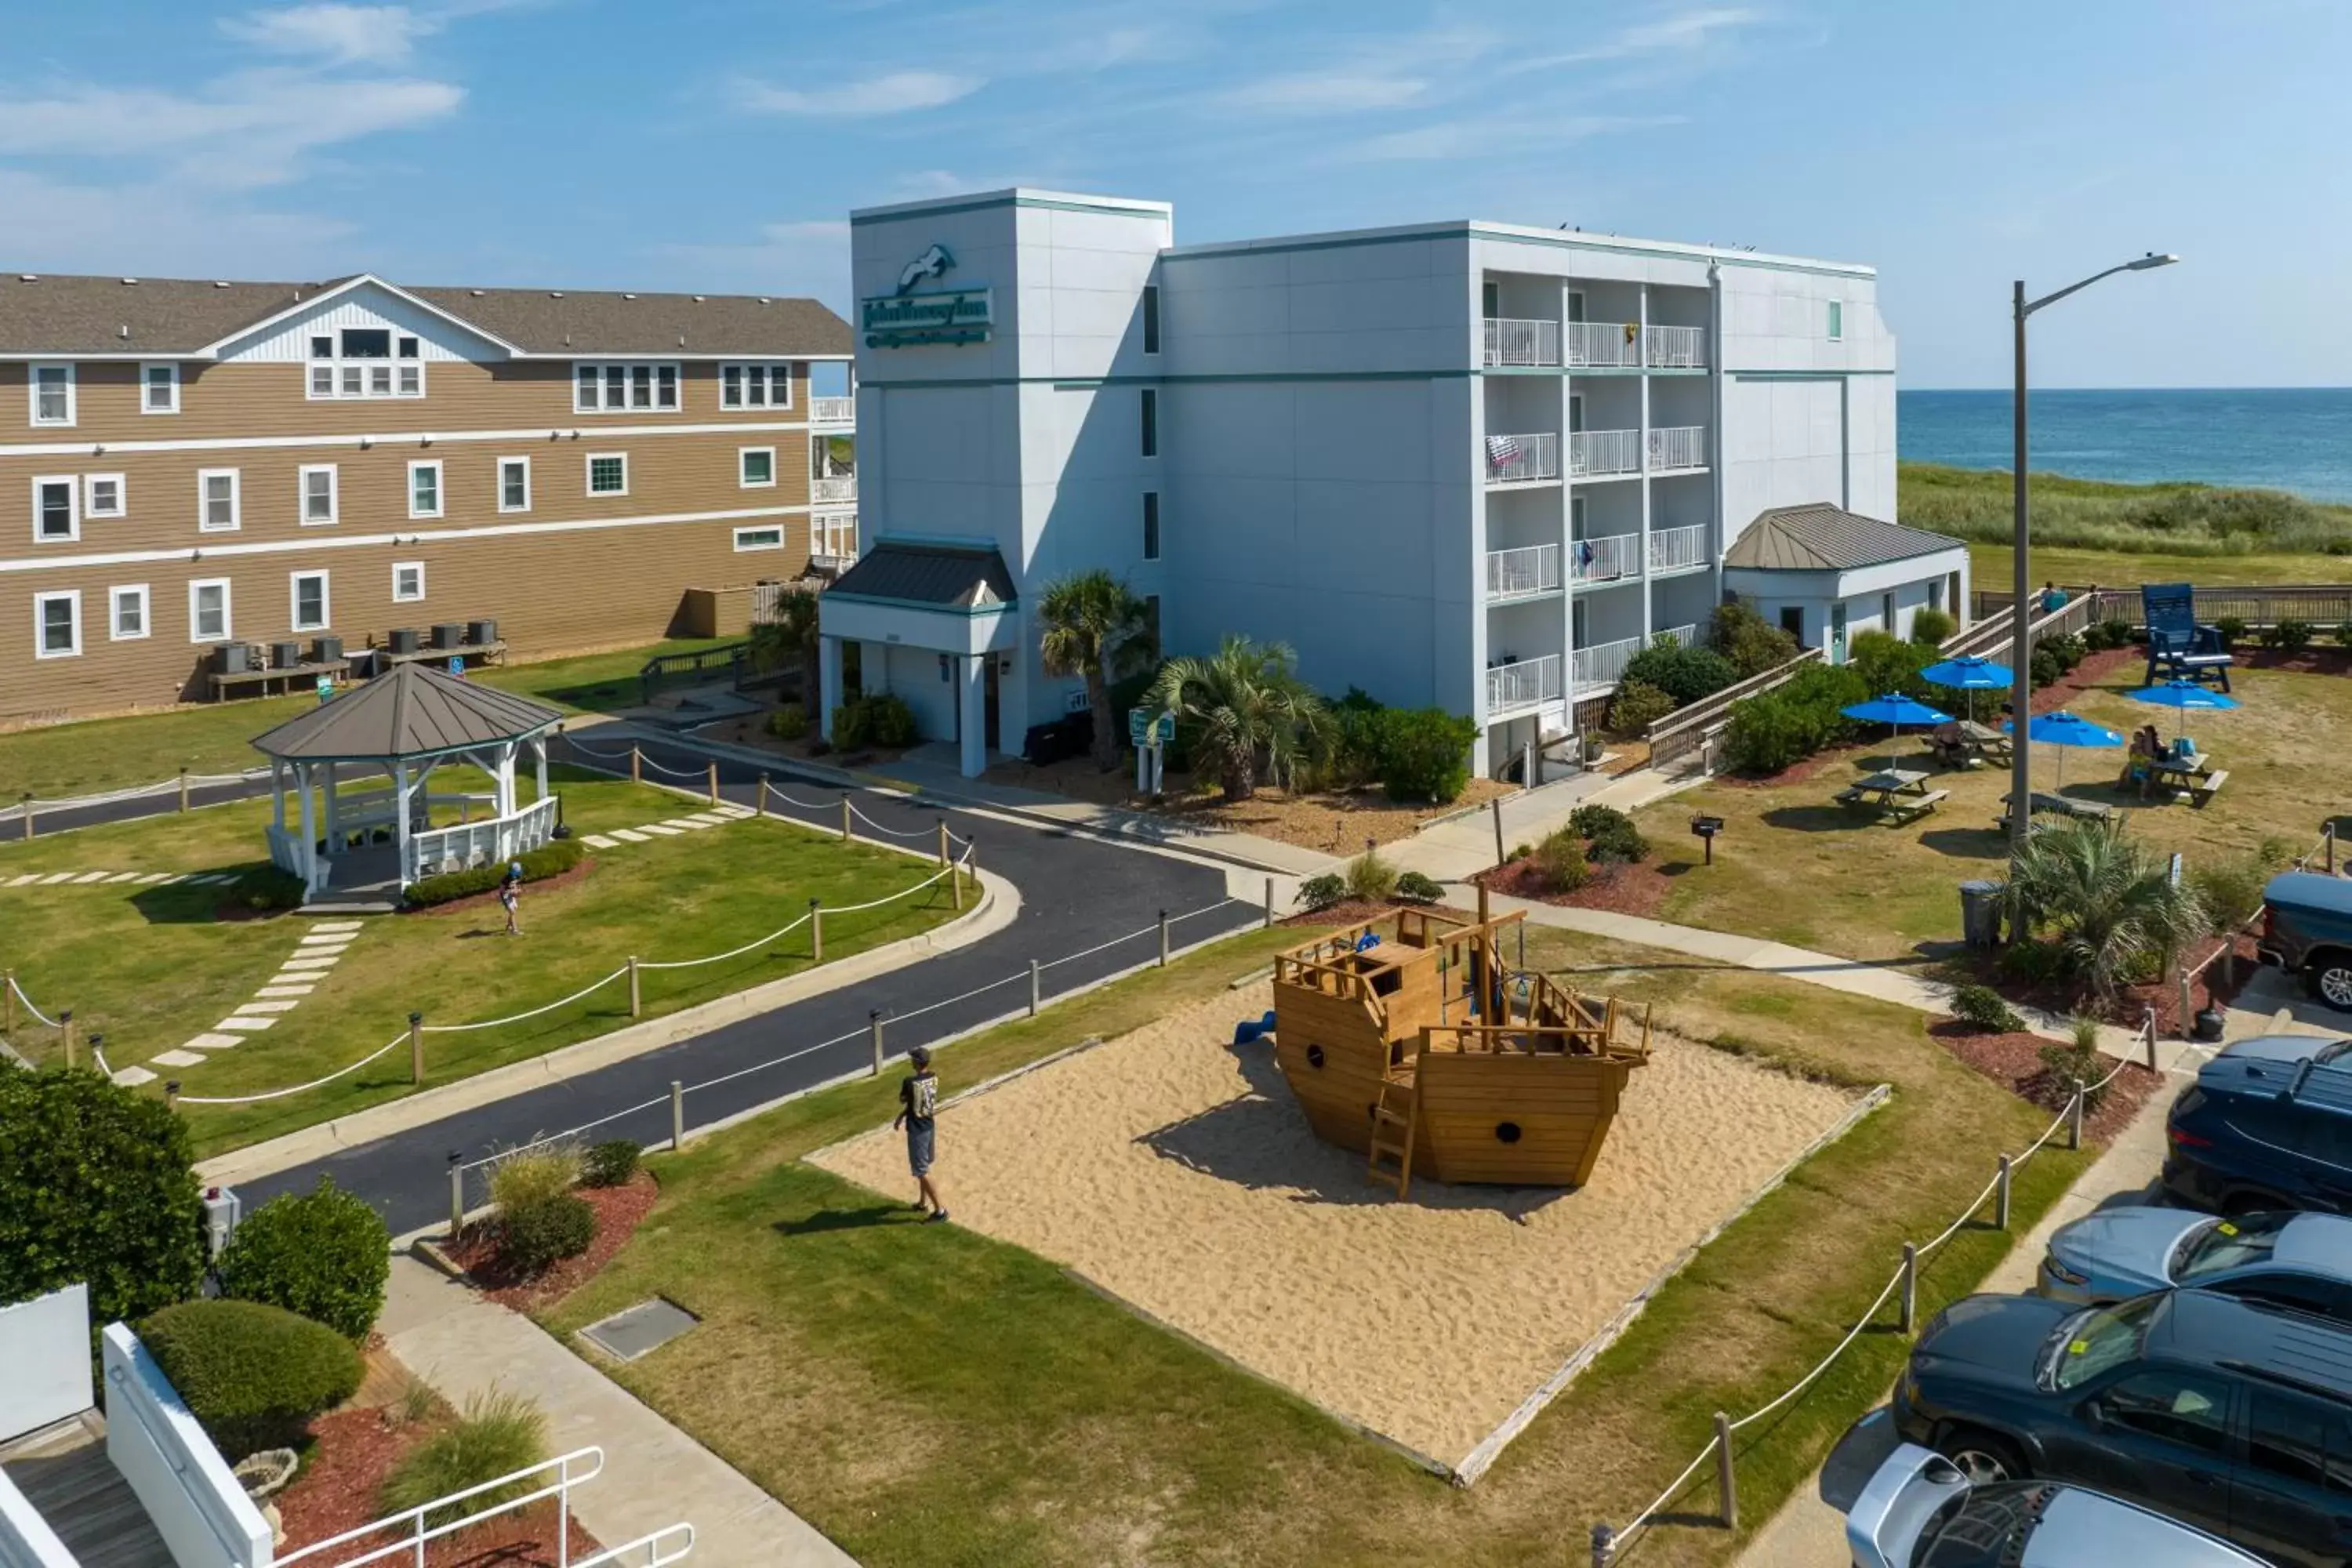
x=130 y=279
x=681 y=339
x=123 y=330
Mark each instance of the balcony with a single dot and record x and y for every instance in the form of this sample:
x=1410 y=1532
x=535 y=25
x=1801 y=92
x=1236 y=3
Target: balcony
x=1677 y=449
x=1603 y=665
x=1604 y=344
x=1522 y=684
x=1519 y=459
x=840 y=413
x=1675 y=550
x=1606 y=558
x=1513 y=341
x=1522 y=573
x=1674 y=348
x=1597 y=454
x=835 y=488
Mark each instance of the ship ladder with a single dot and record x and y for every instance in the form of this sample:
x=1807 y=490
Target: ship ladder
x=1393 y=1132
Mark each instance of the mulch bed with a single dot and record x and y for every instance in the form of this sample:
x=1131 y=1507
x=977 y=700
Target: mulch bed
x=2216 y=986
x=2014 y=1062
x=473 y=902
x=1636 y=890
x=619 y=1211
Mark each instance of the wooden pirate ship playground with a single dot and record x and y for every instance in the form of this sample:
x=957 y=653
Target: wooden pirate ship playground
x=1427 y=1053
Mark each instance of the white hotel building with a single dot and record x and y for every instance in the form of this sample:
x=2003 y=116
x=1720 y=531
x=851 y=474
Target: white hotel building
x=1461 y=464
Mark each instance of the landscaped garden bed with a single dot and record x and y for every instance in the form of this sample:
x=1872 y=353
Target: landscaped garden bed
x=479 y=1249
x=2016 y=1060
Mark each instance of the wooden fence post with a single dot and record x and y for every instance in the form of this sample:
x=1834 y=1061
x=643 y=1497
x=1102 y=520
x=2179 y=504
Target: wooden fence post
x=637 y=1002
x=874 y=1025
x=2149 y=1025
x=1036 y=986
x=28 y=814
x=1163 y=939
x=457 y=1195
x=1270 y=903
x=637 y=765
x=1726 y=1484
x=676 y=1116
x=2074 y=1117
x=2000 y=1196
x=172 y=1095
x=184 y=787
x=416 y=1047
x=714 y=784
x=760 y=800
x=65 y=1027
x=1605 y=1546
x=844 y=816
x=817 y=931
x=944 y=840
x=1497 y=803
x=1910 y=1286
x=8 y=1002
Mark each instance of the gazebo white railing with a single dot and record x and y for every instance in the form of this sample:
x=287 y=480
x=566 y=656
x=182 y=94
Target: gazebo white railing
x=440 y=849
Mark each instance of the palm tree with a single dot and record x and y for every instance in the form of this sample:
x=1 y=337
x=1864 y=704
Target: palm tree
x=1095 y=628
x=790 y=632
x=1249 y=703
x=2109 y=900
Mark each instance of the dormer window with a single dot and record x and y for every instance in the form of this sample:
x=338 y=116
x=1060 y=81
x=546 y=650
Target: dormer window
x=366 y=362
x=602 y=388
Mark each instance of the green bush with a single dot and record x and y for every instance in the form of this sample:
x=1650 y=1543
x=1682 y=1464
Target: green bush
x=1353 y=756
x=1751 y=643
x=1418 y=887
x=2071 y=649
x=789 y=721
x=549 y=859
x=2232 y=889
x=95 y=1187
x=2343 y=634
x=1889 y=665
x=1320 y=892
x=253 y=1374
x=534 y=1174
x=1930 y=627
x=2231 y=630
x=891 y=721
x=2044 y=668
x=849 y=726
x=1559 y=860
x=269 y=887
x=609 y=1165
x=2289 y=635
x=1982 y=1007
x=325 y=1255
x=2079 y=1060
x=535 y=1236
x=1370 y=877
x=1774 y=729
x=1684 y=674
x=1424 y=753
x=1610 y=833
x=2109 y=634
x=496 y=1434
x=1637 y=706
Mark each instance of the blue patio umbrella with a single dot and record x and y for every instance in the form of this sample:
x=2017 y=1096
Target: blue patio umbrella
x=1897 y=710
x=2064 y=729
x=2183 y=694
x=1971 y=674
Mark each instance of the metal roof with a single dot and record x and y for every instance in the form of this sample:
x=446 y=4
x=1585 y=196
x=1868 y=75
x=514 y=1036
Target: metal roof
x=1819 y=537
x=950 y=577
x=415 y=711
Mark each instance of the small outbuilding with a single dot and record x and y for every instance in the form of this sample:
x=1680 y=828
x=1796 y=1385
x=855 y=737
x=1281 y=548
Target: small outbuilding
x=1826 y=574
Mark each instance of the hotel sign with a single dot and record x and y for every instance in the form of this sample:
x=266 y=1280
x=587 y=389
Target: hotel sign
x=950 y=316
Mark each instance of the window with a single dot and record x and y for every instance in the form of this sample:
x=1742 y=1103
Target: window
x=126 y=619
x=1150 y=422
x=2175 y=1407
x=56 y=624
x=318 y=485
x=1886 y=613
x=309 y=600
x=101 y=495
x=218 y=508
x=367 y=343
x=208 y=617
x=756 y=467
x=755 y=386
x=833 y=537
x=608 y=473
x=1151 y=318
x=57 y=512
x=407 y=582
x=366 y=362
x=158 y=389
x=768 y=537
x=612 y=388
x=53 y=393
x=514 y=484
x=1151 y=525
x=1837 y=320
x=425 y=488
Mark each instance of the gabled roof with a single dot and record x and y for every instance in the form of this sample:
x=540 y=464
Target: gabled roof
x=166 y=315
x=572 y=322
x=1820 y=537
x=944 y=577
x=413 y=710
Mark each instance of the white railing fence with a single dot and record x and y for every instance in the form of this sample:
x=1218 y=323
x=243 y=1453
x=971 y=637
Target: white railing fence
x=1674 y=348
x=1604 y=344
x=839 y=487
x=832 y=410
x=1603 y=663
x=467 y=843
x=1676 y=446
x=1679 y=549
x=1511 y=459
x=182 y=1484
x=1594 y=453
x=1512 y=573
x=1607 y=557
x=1513 y=341
x=1527 y=683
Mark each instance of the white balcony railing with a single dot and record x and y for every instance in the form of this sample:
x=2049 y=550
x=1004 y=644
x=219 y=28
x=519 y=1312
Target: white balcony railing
x=1525 y=683
x=1514 y=341
x=1678 y=548
x=833 y=411
x=1686 y=636
x=1603 y=664
x=841 y=487
x=1673 y=447
x=1674 y=348
x=1604 y=344
x=1606 y=557
x=1592 y=454
x=1512 y=459
x=1516 y=574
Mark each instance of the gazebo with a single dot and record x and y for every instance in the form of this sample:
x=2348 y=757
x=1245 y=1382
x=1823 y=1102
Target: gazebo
x=406 y=723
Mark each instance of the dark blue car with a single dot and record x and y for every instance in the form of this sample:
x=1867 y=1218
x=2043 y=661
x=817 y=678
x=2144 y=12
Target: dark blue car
x=2267 y=1125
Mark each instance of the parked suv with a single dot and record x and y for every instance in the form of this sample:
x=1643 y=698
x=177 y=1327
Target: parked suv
x=2267 y=1125
x=2230 y=1415
x=2307 y=930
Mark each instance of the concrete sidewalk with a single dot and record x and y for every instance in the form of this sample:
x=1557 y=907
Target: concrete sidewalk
x=654 y=1475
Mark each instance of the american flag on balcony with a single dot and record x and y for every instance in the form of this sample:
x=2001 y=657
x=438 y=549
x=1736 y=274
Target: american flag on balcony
x=1502 y=450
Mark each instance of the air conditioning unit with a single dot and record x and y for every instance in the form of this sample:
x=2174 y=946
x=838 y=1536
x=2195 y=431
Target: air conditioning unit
x=285 y=655
x=450 y=635
x=482 y=634
x=401 y=639
x=231 y=658
x=328 y=650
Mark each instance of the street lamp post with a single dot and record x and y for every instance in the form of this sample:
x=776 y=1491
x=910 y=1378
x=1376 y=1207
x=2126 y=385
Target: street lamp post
x=2021 y=658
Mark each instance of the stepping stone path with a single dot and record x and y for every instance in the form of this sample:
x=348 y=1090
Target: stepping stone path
x=319 y=949
x=114 y=878
x=670 y=827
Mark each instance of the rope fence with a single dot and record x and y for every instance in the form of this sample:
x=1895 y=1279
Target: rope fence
x=30 y=1005
x=28 y=807
x=1609 y=1544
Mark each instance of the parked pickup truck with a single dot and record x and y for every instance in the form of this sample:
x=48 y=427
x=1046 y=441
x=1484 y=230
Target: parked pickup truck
x=2307 y=930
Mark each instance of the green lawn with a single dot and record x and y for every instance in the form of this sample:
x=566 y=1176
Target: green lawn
x=60 y=761
x=1989 y=566
x=927 y=1397
x=150 y=969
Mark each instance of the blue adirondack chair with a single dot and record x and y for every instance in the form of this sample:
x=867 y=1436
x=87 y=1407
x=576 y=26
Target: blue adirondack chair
x=2176 y=642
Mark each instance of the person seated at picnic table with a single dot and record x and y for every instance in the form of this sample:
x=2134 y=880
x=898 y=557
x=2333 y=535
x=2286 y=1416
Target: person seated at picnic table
x=1951 y=743
x=2146 y=748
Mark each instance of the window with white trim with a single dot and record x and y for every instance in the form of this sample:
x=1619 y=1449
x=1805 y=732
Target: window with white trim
x=514 y=484
x=1837 y=320
x=366 y=362
x=308 y=593
x=407 y=582
x=608 y=473
x=52 y=389
x=771 y=537
x=425 y=488
x=103 y=495
x=755 y=386
x=219 y=504
x=755 y=467
x=126 y=614
x=57 y=509
x=208 y=610
x=159 y=388
x=56 y=624
x=318 y=486
x=598 y=387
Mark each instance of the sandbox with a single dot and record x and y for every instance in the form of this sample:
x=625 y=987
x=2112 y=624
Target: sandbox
x=1178 y=1174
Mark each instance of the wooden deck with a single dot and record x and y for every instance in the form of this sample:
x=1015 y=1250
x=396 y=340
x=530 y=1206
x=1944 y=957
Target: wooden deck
x=65 y=1474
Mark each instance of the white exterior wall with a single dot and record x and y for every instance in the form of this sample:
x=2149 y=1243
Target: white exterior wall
x=437 y=337
x=45 y=1343
x=1914 y=583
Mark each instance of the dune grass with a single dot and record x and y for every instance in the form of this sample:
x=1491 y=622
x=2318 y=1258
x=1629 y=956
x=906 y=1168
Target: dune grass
x=2172 y=519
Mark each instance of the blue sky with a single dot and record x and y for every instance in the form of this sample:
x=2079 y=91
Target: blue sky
x=718 y=144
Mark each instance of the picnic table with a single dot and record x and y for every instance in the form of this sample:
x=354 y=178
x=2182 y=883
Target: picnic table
x=1897 y=795
x=1964 y=742
x=2190 y=772
x=2061 y=805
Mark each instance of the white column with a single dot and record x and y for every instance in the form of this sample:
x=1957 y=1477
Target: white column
x=278 y=790
x=974 y=698
x=538 y=754
x=1649 y=610
x=507 y=778
x=400 y=806
x=310 y=830
x=828 y=683
x=334 y=812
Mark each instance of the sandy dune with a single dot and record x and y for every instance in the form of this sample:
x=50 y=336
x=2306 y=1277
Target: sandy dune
x=1179 y=1173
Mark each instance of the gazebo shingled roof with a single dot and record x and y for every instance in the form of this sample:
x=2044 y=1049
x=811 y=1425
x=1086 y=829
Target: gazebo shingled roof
x=413 y=712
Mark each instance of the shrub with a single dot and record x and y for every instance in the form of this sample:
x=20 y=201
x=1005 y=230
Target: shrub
x=888 y=720
x=496 y=1434
x=1980 y=1006
x=325 y=1255
x=1559 y=860
x=789 y=721
x=1610 y=832
x=95 y=1187
x=535 y=1236
x=2108 y=634
x=1424 y=753
x=1930 y=627
x=2342 y=633
x=1751 y=643
x=2045 y=667
x=609 y=1165
x=849 y=726
x=2289 y=635
x=1370 y=877
x=1354 y=754
x=2071 y=649
x=549 y=859
x=1794 y=720
x=253 y=1374
x=2107 y=897
x=2230 y=628
x=1322 y=891
x=1637 y=706
x=534 y=1174
x=1889 y=665
x=270 y=888
x=2037 y=963
x=1684 y=674
x=1418 y=887
x=2233 y=890
x=2079 y=1060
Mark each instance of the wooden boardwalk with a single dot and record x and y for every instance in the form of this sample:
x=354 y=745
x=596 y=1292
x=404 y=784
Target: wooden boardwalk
x=65 y=1474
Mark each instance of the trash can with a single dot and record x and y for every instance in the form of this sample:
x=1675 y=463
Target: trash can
x=1981 y=914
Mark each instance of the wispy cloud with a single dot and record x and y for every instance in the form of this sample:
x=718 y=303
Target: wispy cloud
x=898 y=92
x=336 y=34
x=1685 y=33
x=1319 y=92
x=1478 y=135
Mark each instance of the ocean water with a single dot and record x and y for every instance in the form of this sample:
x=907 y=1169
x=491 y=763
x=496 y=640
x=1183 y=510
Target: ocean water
x=2287 y=438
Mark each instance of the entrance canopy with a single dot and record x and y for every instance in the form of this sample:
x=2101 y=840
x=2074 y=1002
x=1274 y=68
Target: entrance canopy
x=907 y=602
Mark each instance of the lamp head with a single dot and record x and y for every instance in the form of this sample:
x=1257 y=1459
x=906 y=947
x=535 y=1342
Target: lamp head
x=2152 y=260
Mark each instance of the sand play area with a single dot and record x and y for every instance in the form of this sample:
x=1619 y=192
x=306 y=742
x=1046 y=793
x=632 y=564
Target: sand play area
x=1179 y=1173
